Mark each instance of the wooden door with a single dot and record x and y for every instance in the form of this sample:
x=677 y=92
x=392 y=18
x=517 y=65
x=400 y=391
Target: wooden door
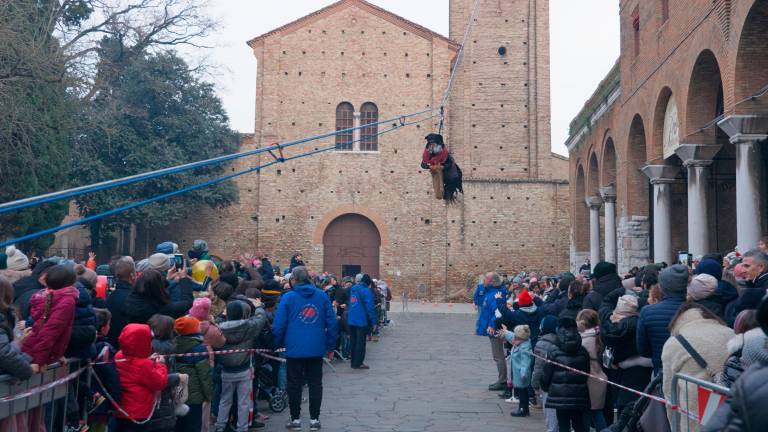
x=351 y=240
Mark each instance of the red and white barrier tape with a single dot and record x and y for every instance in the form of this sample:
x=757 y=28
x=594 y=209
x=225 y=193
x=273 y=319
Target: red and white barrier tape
x=266 y=353
x=659 y=399
x=39 y=389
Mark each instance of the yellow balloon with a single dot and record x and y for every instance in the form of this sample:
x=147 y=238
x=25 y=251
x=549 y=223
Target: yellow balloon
x=198 y=271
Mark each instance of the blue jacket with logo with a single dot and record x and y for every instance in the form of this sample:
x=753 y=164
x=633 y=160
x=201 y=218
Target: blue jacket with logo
x=362 y=312
x=305 y=323
x=487 y=309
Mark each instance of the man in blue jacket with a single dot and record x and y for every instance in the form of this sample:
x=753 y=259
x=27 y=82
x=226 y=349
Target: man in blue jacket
x=653 y=324
x=486 y=326
x=361 y=319
x=305 y=324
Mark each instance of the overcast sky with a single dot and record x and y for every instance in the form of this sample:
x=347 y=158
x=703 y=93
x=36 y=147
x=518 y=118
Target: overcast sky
x=584 y=38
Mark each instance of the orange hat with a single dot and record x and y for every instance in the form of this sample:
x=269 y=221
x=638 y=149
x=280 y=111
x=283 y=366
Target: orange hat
x=187 y=325
x=524 y=299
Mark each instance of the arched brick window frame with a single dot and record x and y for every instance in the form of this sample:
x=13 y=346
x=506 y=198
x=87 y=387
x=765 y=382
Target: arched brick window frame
x=369 y=139
x=345 y=119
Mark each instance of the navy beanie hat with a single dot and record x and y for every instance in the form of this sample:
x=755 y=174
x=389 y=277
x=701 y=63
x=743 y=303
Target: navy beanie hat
x=548 y=325
x=603 y=268
x=711 y=267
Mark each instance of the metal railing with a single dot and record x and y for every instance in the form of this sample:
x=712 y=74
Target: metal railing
x=695 y=420
x=10 y=386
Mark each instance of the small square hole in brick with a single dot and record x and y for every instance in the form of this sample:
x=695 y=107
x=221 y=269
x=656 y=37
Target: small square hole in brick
x=279 y=172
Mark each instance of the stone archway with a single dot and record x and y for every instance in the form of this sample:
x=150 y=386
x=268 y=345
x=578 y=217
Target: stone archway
x=351 y=245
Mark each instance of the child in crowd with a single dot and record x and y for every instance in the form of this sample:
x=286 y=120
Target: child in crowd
x=190 y=341
x=567 y=391
x=520 y=365
x=53 y=313
x=142 y=378
x=212 y=338
x=241 y=331
x=589 y=330
x=546 y=343
x=163 y=344
x=98 y=417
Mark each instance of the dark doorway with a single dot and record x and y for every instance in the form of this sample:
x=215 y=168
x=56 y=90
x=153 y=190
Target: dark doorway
x=351 y=246
x=350 y=270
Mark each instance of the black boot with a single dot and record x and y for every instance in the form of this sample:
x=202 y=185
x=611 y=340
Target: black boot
x=520 y=413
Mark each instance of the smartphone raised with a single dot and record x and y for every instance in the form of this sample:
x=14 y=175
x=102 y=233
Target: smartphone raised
x=178 y=261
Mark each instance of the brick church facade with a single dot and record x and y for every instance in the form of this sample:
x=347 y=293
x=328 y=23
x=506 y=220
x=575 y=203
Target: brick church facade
x=669 y=153
x=368 y=206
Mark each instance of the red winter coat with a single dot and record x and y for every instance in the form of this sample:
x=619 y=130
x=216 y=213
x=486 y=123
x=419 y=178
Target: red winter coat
x=140 y=378
x=49 y=338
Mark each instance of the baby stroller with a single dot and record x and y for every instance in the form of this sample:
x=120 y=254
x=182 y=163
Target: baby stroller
x=267 y=388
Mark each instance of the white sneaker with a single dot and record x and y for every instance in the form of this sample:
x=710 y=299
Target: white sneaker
x=314 y=425
x=511 y=400
x=294 y=425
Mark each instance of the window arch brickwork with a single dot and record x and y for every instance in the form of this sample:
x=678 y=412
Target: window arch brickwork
x=345 y=119
x=369 y=139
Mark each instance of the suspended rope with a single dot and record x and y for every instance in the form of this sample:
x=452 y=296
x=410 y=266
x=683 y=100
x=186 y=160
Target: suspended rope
x=459 y=56
x=398 y=125
x=109 y=184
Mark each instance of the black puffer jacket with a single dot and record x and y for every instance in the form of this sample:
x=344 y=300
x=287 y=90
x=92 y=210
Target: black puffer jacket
x=544 y=346
x=81 y=344
x=745 y=410
x=619 y=336
x=566 y=389
x=602 y=287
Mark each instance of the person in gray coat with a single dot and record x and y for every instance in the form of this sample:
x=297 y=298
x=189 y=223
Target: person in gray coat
x=241 y=331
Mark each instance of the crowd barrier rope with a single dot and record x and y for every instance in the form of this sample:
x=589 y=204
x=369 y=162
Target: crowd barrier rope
x=674 y=407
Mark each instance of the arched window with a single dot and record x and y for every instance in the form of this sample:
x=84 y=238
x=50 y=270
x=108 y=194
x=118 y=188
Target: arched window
x=345 y=119
x=369 y=138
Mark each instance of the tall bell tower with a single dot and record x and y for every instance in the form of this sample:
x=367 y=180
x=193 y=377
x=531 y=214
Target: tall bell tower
x=499 y=113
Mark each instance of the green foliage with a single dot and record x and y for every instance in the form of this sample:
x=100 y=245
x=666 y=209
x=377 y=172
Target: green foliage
x=36 y=117
x=152 y=113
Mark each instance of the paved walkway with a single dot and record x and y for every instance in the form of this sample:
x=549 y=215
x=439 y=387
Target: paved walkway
x=428 y=373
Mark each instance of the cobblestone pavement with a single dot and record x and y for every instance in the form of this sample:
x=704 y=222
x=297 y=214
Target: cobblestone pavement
x=428 y=373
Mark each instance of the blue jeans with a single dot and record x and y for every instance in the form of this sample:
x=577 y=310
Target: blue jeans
x=596 y=419
x=344 y=338
x=282 y=374
x=216 y=393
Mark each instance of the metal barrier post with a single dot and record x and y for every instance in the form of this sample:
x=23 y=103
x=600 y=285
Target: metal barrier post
x=674 y=398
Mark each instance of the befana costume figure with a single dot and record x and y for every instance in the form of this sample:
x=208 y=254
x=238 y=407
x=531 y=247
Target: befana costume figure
x=446 y=174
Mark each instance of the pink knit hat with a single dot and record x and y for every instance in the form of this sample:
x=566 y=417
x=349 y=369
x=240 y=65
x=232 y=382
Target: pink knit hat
x=201 y=309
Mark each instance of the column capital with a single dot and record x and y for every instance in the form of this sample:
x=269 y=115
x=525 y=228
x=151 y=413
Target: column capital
x=697 y=154
x=660 y=174
x=608 y=193
x=593 y=202
x=745 y=128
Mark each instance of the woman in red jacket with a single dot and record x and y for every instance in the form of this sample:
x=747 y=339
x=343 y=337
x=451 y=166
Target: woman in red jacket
x=53 y=312
x=142 y=377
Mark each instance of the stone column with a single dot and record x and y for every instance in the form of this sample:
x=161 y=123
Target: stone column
x=747 y=132
x=697 y=158
x=608 y=194
x=661 y=177
x=594 y=203
x=356 y=132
